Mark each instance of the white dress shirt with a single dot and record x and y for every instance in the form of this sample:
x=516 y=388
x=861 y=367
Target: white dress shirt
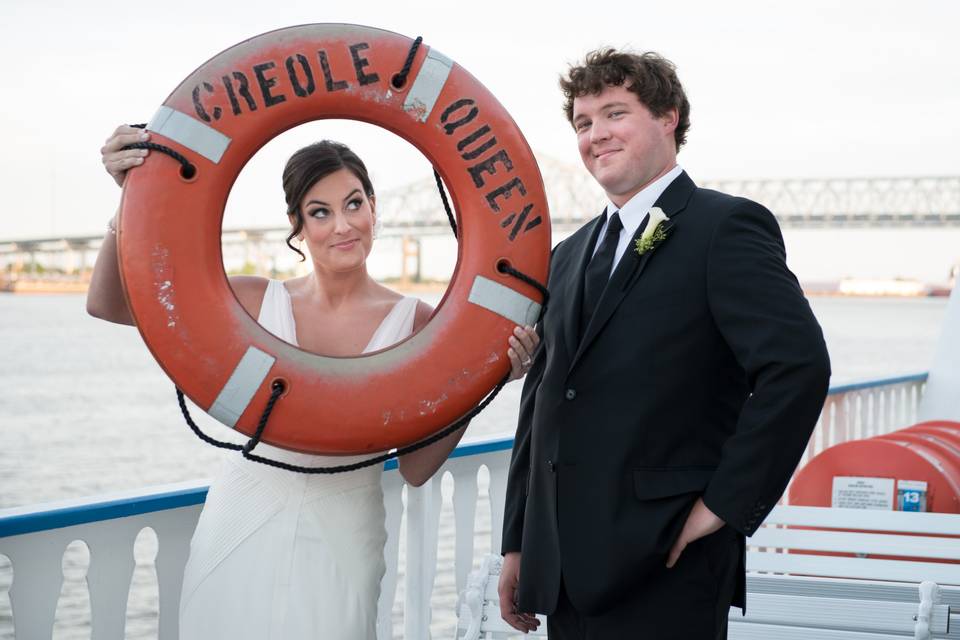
x=634 y=211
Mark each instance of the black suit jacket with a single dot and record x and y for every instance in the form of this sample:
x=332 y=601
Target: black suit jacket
x=701 y=373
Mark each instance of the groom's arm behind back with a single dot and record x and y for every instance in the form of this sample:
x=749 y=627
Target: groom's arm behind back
x=759 y=308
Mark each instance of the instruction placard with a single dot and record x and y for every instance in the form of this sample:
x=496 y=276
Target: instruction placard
x=851 y=492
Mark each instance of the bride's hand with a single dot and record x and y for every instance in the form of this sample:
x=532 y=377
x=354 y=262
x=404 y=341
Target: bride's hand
x=115 y=159
x=523 y=345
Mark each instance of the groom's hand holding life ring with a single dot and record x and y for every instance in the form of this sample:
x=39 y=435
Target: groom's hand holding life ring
x=701 y=522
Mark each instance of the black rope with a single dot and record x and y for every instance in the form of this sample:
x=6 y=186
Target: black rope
x=247 y=448
x=446 y=203
x=275 y=393
x=400 y=80
x=503 y=267
x=187 y=169
x=255 y=440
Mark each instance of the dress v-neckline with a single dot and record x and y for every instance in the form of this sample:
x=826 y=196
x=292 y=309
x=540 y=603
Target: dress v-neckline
x=373 y=337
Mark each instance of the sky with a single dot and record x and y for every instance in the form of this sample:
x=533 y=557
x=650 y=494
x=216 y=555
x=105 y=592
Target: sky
x=808 y=89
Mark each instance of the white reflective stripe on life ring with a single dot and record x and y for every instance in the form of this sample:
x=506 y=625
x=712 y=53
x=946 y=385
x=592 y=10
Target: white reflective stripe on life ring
x=428 y=84
x=243 y=383
x=189 y=132
x=504 y=301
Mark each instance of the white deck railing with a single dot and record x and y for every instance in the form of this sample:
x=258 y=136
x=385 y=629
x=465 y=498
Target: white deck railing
x=865 y=409
x=426 y=531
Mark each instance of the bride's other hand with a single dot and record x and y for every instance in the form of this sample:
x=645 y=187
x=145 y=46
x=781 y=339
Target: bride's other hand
x=523 y=347
x=118 y=161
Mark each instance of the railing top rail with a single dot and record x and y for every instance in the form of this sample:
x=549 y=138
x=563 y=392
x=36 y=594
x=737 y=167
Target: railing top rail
x=65 y=513
x=477 y=447
x=883 y=382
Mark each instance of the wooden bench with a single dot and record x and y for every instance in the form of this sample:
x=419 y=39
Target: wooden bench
x=888 y=582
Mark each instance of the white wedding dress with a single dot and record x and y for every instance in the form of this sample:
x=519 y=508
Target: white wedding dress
x=283 y=555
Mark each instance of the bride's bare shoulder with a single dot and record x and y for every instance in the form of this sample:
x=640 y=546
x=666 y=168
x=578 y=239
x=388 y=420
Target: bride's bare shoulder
x=423 y=315
x=424 y=311
x=249 y=291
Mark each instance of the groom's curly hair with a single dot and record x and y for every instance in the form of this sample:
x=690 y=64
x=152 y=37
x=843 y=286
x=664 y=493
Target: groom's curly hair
x=649 y=75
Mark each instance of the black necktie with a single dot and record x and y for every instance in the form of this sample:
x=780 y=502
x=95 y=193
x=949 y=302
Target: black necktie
x=597 y=273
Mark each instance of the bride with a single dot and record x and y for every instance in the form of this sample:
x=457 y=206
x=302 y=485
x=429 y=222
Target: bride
x=278 y=554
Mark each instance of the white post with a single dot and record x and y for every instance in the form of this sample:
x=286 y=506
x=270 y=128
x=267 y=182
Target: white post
x=941 y=400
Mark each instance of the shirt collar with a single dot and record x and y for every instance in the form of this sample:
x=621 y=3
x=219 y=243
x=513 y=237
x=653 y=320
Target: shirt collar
x=635 y=209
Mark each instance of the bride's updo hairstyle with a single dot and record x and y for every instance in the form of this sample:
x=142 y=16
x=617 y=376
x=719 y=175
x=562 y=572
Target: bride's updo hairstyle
x=308 y=166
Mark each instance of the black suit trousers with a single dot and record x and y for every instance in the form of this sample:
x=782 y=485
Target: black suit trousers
x=691 y=601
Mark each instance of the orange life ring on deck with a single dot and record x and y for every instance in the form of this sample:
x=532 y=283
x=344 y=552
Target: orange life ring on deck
x=170 y=246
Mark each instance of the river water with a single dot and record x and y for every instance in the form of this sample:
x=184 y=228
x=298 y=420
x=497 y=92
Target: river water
x=84 y=409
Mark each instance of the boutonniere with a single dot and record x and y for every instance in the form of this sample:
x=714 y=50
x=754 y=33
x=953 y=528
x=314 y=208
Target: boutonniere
x=657 y=230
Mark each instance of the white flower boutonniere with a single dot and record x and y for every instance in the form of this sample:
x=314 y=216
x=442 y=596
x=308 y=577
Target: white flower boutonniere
x=657 y=230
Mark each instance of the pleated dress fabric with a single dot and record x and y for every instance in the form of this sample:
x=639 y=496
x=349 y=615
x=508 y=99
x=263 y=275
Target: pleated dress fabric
x=283 y=555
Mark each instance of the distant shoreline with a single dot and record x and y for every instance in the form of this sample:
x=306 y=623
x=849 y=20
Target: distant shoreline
x=844 y=288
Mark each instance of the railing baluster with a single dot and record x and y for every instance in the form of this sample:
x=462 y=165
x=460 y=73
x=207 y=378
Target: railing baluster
x=174 y=528
x=465 y=494
x=861 y=402
x=423 y=513
x=393 y=503
x=914 y=397
x=37 y=580
x=845 y=416
x=416 y=504
x=498 y=494
x=109 y=576
x=890 y=397
x=904 y=400
x=826 y=425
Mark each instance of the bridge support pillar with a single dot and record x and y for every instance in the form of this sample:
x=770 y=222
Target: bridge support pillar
x=410 y=261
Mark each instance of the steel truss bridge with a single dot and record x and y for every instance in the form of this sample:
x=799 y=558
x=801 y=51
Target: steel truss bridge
x=415 y=210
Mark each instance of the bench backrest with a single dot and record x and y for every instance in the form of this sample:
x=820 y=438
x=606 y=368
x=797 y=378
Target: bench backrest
x=867 y=544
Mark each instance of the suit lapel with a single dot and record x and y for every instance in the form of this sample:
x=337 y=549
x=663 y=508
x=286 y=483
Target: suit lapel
x=574 y=285
x=672 y=201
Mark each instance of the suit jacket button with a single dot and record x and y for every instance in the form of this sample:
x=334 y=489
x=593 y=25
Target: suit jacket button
x=552 y=465
x=571 y=394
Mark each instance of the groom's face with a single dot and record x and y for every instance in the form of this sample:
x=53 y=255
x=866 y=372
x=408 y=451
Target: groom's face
x=621 y=143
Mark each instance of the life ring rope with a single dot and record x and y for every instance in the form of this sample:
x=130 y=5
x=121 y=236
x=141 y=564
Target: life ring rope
x=277 y=390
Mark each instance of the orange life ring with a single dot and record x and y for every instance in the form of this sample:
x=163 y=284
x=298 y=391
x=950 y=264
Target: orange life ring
x=170 y=250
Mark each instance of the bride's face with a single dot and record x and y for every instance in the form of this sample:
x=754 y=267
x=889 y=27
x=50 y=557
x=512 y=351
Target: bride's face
x=338 y=221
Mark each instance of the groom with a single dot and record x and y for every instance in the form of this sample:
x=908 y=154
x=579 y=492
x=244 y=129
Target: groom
x=680 y=377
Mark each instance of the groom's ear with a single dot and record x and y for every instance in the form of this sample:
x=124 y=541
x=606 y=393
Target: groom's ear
x=669 y=120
